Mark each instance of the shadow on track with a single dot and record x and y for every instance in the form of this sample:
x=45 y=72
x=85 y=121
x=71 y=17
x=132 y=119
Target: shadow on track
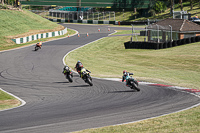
x=80 y=86
x=62 y=82
x=122 y=91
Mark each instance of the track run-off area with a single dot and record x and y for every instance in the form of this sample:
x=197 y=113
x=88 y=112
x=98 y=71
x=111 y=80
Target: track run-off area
x=54 y=105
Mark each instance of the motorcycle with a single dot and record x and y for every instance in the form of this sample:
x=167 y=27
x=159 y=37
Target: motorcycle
x=68 y=74
x=85 y=75
x=131 y=82
x=37 y=47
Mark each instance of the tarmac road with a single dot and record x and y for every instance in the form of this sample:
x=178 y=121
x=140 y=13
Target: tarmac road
x=53 y=105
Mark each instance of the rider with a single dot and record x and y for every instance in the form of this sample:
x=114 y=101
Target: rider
x=67 y=69
x=83 y=69
x=126 y=76
x=78 y=67
x=39 y=44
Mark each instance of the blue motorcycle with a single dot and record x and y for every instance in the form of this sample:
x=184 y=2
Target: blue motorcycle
x=131 y=82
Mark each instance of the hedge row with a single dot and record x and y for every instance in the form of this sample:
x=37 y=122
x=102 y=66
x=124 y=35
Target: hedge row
x=161 y=45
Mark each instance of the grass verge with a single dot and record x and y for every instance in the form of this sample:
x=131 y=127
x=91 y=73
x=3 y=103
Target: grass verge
x=182 y=122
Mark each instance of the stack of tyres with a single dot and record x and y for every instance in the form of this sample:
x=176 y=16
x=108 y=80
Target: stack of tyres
x=183 y=41
x=169 y=44
x=139 y=45
x=178 y=42
x=127 y=45
x=161 y=45
x=188 y=40
x=193 y=39
x=133 y=44
x=156 y=45
x=174 y=43
x=165 y=45
x=197 y=38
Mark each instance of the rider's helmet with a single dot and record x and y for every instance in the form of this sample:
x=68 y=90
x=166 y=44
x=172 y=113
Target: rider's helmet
x=125 y=72
x=66 y=66
x=80 y=64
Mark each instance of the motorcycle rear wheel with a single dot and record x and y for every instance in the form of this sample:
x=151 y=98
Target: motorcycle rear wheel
x=36 y=48
x=134 y=85
x=69 y=77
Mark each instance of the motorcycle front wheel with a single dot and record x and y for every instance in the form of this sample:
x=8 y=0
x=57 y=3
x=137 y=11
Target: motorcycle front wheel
x=89 y=82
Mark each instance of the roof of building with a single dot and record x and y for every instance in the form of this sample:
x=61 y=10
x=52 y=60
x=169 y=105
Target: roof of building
x=181 y=25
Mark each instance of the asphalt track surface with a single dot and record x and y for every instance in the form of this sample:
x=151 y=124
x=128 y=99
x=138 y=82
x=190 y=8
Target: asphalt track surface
x=53 y=105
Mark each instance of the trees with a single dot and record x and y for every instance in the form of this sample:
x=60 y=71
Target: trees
x=159 y=6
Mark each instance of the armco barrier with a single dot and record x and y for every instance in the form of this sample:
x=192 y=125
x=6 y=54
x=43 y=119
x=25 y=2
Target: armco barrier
x=39 y=36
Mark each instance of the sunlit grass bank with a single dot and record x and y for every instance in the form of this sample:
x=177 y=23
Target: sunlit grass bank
x=15 y=24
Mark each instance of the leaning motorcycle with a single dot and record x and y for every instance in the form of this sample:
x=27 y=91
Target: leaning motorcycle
x=85 y=75
x=68 y=74
x=37 y=47
x=131 y=82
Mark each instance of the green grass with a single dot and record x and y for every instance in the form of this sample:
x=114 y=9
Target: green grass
x=5 y=96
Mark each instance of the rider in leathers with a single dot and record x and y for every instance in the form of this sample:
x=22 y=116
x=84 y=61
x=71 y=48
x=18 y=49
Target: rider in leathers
x=126 y=77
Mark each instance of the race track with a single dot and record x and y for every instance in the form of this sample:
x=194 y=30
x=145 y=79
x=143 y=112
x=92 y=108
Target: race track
x=53 y=105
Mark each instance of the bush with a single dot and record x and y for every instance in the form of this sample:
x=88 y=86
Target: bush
x=2 y=6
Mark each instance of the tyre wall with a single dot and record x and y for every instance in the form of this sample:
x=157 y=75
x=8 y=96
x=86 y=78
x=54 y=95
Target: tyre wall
x=161 y=45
